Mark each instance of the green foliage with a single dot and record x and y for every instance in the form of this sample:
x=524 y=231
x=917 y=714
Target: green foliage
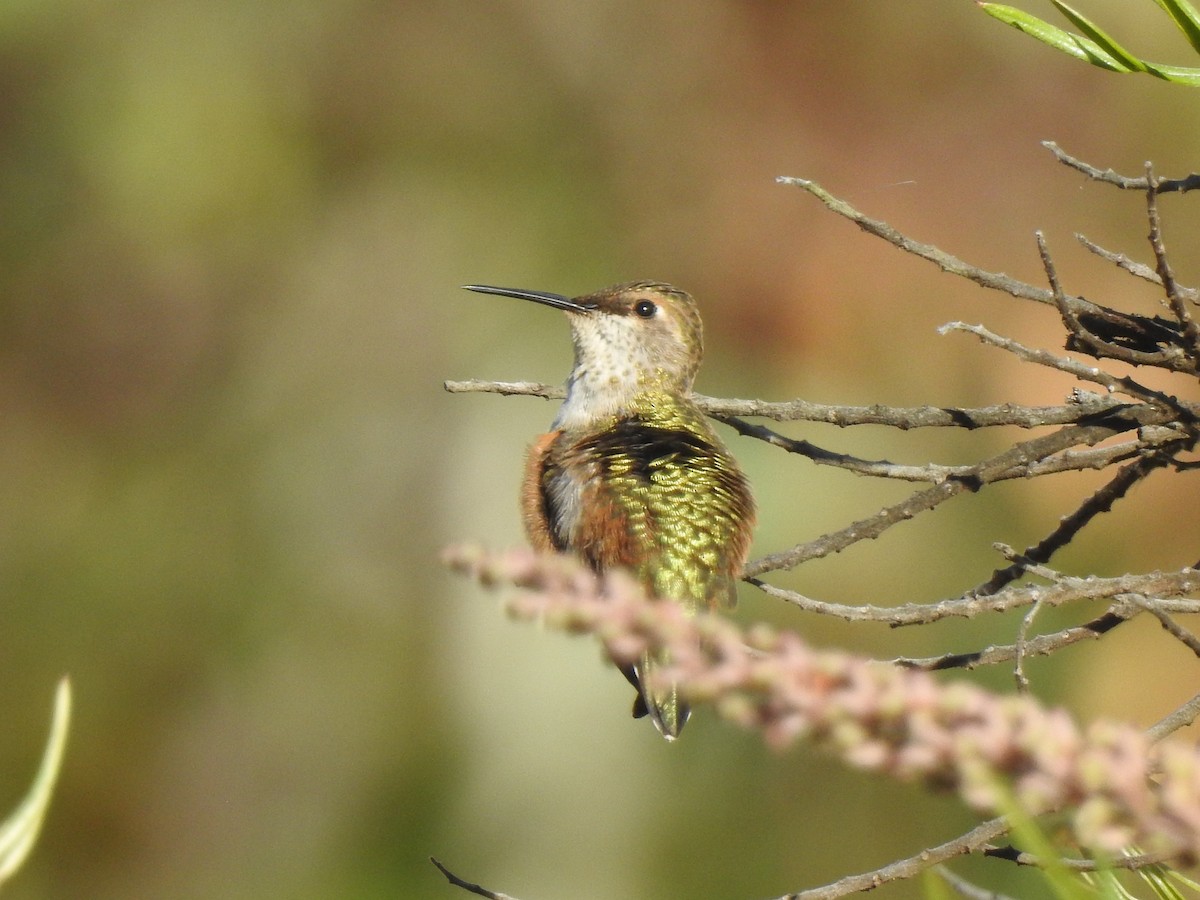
x=1098 y=47
x=1156 y=877
x=1160 y=879
x=1031 y=838
x=20 y=830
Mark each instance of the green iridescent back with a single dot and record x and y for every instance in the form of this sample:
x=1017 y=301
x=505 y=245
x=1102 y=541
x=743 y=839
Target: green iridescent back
x=685 y=502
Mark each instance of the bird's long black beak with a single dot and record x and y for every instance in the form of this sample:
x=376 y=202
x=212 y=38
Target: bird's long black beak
x=558 y=301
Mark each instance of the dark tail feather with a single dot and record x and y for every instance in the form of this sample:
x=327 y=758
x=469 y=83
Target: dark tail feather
x=640 y=709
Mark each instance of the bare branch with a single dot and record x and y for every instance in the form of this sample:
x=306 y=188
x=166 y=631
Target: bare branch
x=507 y=388
x=1019 y=676
x=468 y=886
x=1042 y=645
x=907 y=418
x=1060 y=300
x=1125 y=183
x=1067 y=461
x=1180 y=718
x=1134 y=268
x=1122 y=861
x=1081 y=337
x=1163 y=266
x=977 y=840
x=1082 y=371
x=1020 y=455
x=1069 y=526
x=1107 y=176
x=904 y=418
x=1066 y=590
x=873 y=468
x=1172 y=627
x=970 y=842
x=1120 y=260
x=944 y=261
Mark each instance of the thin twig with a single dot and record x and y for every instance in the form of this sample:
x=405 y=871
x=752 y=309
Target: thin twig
x=1067 y=461
x=875 y=468
x=1101 y=501
x=1179 y=185
x=1133 y=267
x=944 y=261
x=970 y=842
x=469 y=886
x=1120 y=260
x=1021 y=644
x=1029 y=565
x=1022 y=454
x=1070 y=320
x=1082 y=371
x=1082 y=338
x=1042 y=645
x=1172 y=722
x=1164 y=585
x=1132 y=861
x=908 y=418
x=1084 y=309
x=1107 y=176
x=1163 y=266
x=965 y=888
x=903 y=418
x=1125 y=183
x=1172 y=627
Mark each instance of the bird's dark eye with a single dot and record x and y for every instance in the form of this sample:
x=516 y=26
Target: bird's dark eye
x=645 y=309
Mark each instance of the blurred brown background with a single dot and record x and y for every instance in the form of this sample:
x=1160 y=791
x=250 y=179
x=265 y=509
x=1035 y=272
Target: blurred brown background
x=231 y=240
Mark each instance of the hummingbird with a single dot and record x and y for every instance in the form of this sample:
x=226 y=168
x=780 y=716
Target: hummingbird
x=631 y=475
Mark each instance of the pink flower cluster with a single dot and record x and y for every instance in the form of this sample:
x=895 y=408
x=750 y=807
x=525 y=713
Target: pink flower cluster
x=993 y=750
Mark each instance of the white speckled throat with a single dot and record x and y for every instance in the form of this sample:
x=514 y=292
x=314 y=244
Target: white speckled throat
x=616 y=358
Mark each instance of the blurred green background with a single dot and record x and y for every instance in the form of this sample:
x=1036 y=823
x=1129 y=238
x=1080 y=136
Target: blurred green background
x=231 y=240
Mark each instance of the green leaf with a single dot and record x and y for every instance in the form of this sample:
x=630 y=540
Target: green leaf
x=1107 y=886
x=1109 y=54
x=1184 y=880
x=20 y=830
x=1175 y=74
x=1099 y=36
x=1157 y=878
x=1072 y=44
x=1185 y=17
